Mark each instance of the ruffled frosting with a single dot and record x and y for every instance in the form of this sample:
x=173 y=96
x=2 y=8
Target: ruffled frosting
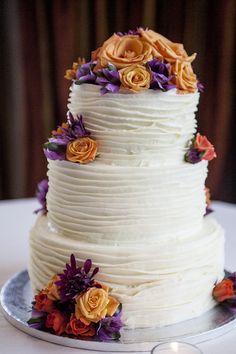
x=148 y=128
x=159 y=282
x=101 y=203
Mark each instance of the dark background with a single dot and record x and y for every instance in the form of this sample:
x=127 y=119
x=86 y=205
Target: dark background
x=40 y=39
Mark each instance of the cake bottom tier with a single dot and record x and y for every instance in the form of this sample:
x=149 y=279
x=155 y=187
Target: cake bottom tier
x=158 y=284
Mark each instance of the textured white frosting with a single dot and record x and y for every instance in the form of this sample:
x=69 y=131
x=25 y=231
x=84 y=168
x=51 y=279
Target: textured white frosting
x=151 y=127
x=159 y=283
x=117 y=204
x=137 y=210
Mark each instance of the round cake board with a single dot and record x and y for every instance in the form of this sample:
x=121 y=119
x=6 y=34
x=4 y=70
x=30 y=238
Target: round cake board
x=16 y=297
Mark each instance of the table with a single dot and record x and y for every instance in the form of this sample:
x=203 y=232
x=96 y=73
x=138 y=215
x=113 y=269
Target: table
x=16 y=218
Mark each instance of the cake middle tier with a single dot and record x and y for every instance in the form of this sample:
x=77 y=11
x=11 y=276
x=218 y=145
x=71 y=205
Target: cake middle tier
x=113 y=203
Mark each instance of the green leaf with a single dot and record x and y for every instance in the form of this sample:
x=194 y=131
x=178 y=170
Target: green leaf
x=53 y=146
x=35 y=320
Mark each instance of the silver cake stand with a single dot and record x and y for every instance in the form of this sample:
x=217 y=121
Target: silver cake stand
x=16 y=297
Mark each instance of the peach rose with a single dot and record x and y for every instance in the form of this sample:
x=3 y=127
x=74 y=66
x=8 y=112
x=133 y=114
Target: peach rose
x=135 y=78
x=76 y=327
x=94 y=305
x=57 y=321
x=168 y=50
x=52 y=289
x=124 y=51
x=185 y=79
x=203 y=144
x=82 y=150
x=43 y=303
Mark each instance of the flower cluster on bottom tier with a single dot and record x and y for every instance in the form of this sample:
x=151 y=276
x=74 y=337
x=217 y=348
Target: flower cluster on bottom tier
x=158 y=283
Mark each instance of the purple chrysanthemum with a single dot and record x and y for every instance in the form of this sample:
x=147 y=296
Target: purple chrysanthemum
x=76 y=127
x=160 y=75
x=193 y=155
x=85 y=73
x=109 y=328
x=41 y=192
x=55 y=148
x=75 y=280
x=109 y=79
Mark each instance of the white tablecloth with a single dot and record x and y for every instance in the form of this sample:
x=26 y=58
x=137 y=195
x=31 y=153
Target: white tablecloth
x=16 y=218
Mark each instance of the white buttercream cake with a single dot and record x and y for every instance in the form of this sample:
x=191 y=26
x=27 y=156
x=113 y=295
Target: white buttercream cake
x=137 y=210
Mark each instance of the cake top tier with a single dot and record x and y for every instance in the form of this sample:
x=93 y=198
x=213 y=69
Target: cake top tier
x=136 y=61
x=132 y=104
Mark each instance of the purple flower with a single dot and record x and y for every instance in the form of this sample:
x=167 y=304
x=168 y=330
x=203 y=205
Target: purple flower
x=160 y=75
x=38 y=319
x=193 y=155
x=109 y=327
x=109 y=78
x=85 y=73
x=200 y=86
x=76 y=127
x=41 y=192
x=55 y=148
x=75 y=280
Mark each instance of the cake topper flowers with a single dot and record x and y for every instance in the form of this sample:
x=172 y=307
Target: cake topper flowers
x=165 y=64
x=71 y=142
x=200 y=149
x=74 y=304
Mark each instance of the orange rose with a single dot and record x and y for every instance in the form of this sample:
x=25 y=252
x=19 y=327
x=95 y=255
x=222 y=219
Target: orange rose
x=94 y=305
x=167 y=50
x=185 y=79
x=124 y=51
x=57 y=321
x=52 y=289
x=82 y=150
x=76 y=327
x=203 y=144
x=43 y=303
x=224 y=290
x=135 y=78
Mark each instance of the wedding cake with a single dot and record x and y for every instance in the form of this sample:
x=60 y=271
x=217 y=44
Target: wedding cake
x=127 y=178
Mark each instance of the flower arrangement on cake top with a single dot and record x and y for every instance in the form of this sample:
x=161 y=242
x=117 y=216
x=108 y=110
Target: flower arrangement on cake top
x=74 y=304
x=138 y=60
x=71 y=142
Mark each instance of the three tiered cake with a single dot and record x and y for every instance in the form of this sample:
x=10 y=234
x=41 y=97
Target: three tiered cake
x=127 y=183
